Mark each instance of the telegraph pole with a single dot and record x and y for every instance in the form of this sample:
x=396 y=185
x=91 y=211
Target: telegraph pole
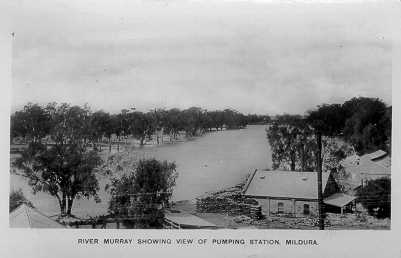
x=319 y=180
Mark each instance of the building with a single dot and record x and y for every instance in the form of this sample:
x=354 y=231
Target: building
x=293 y=193
x=367 y=167
x=180 y=220
x=27 y=217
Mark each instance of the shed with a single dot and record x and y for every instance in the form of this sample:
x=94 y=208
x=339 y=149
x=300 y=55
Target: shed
x=186 y=221
x=28 y=217
x=340 y=201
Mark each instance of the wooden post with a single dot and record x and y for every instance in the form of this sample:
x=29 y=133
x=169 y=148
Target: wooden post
x=319 y=180
x=293 y=208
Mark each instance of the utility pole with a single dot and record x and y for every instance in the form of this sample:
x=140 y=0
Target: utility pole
x=319 y=180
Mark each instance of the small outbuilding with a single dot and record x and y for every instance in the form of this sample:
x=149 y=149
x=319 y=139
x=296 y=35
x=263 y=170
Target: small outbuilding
x=340 y=203
x=182 y=220
x=367 y=167
x=27 y=217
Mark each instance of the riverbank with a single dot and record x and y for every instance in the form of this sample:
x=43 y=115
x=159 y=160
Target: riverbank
x=204 y=164
x=223 y=217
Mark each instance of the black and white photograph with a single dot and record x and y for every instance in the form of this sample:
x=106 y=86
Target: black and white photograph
x=175 y=115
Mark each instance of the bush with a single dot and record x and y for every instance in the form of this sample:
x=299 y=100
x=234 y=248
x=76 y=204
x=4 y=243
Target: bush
x=17 y=198
x=376 y=197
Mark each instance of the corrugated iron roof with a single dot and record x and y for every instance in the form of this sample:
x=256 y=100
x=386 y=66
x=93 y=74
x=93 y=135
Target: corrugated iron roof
x=189 y=220
x=286 y=184
x=339 y=199
x=27 y=217
x=374 y=164
x=375 y=155
x=367 y=166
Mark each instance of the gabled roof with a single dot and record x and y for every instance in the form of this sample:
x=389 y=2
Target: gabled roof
x=376 y=163
x=369 y=167
x=27 y=217
x=285 y=184
x=186 y=220
x=375 y=155
x=339 y=199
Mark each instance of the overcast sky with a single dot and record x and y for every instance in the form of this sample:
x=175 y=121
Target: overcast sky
x=253 y=57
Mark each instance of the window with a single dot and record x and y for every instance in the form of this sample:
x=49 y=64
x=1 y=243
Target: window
x=306 y=209
x=280 y=207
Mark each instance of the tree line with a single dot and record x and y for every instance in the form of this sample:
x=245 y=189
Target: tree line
x=35 y=122
x=61 y=157
x=364 y=124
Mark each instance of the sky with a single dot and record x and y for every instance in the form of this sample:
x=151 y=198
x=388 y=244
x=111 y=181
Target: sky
x=250 y=56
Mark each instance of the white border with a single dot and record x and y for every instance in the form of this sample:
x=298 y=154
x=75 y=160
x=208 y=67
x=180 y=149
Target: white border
x=63 y=243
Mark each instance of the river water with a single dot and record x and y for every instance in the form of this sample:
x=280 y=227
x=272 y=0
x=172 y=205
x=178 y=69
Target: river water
x=208 y=163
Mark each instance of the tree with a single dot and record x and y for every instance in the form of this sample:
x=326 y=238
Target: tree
x=233 y=119
x=31 y=123
x=64 y=171
x=143 y=193
x=17 y=198
x=101 y=125
x=326 y=120
x=142 y=125
x=192 y=120
x=368 y=124
x=159 y=118
x=376 y=197
x=292 y=144
x=217 y=118
x=173 y=122
x=69 y=124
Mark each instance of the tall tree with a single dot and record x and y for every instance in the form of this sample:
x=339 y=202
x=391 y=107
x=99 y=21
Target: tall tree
x=142 y=125
x=100 y=126
x=173 y=122
x=368 y=124
x=65 y=171
x=326 y=120
x=143 y=194
x=376 y=197
x=292 y=144
x=31 y=123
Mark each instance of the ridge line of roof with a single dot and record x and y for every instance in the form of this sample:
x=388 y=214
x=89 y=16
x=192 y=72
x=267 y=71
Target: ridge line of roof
x=27 y=214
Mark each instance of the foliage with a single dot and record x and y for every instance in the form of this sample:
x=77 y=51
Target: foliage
x=141 y=125
x=17 y=198
x=292 y=144
x=143 y=193
x=63 y=122
x=65 y=171
x=368 y=124
x=32 y=123
x=69 y=124
x=327 y=119
x=375 y=196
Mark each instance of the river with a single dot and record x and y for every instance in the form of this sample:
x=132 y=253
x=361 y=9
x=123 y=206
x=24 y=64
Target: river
x=208 y=163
